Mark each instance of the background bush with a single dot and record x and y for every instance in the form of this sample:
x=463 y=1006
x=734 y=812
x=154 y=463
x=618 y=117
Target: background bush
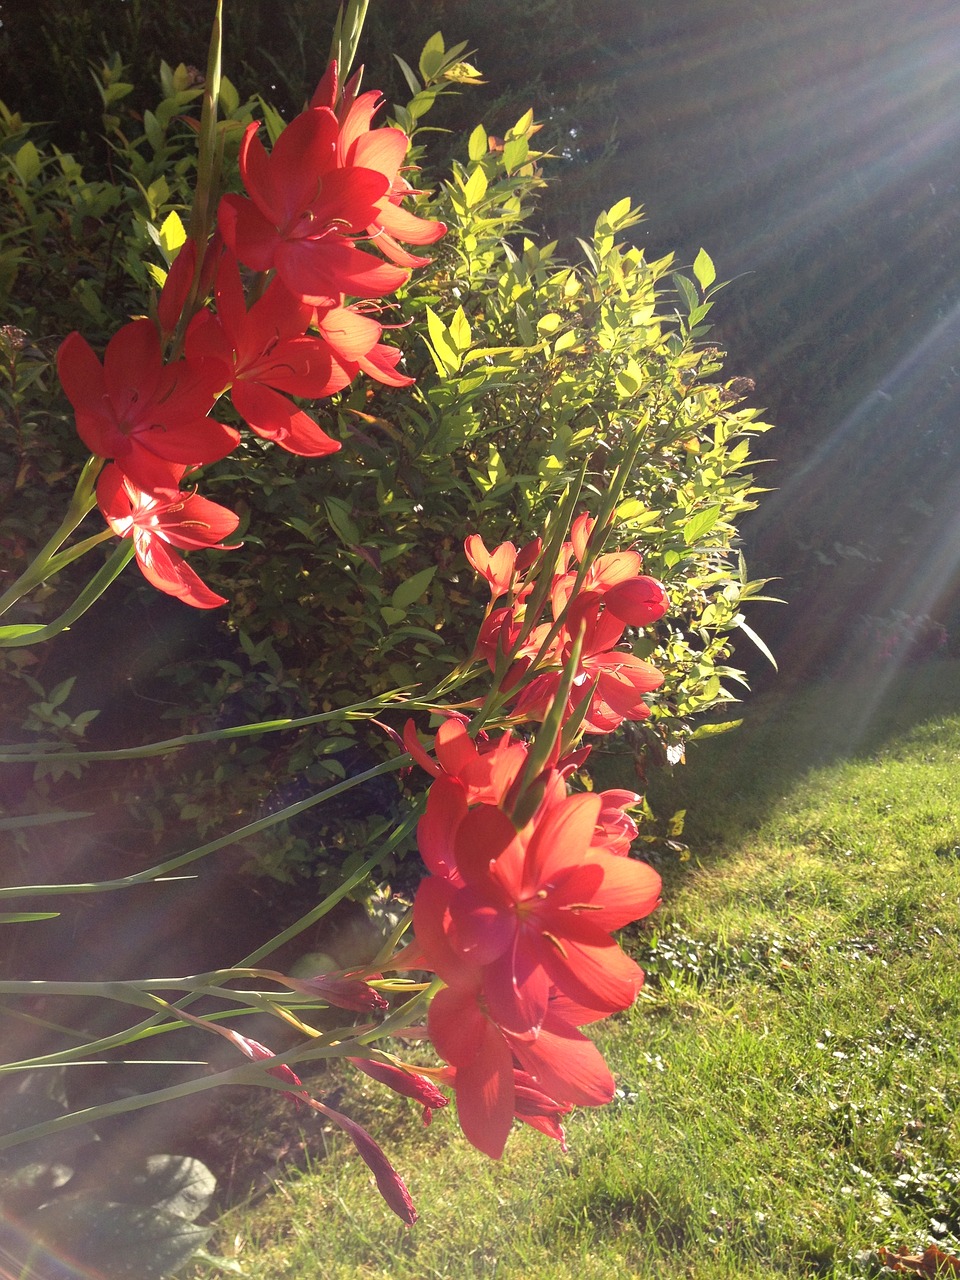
x=352 y=579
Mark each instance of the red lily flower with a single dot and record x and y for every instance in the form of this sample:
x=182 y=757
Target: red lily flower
x=496 y=566
x=383 y=150
x=531 y=910
x=151 y=418
x=266 y=351
x=157 y=522
x=306 y=210
x=618 y=680
x=563 y=1064
x=485 y=769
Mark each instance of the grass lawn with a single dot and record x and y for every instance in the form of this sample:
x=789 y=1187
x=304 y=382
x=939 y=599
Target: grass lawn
x=789 y=1079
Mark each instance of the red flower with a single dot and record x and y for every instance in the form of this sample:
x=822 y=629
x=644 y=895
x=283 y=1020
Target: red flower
x=384 y=152
x=532 y=910
x=485 y=769
x=158 y=522
x=354 y=338
x=321 y=188
x=265 y=351
x=496 y=566
x=618 y=680
x=150 y=417
x=562 y=1063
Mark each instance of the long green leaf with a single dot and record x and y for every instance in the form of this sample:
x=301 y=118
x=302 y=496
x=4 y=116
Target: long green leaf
x=42 y=819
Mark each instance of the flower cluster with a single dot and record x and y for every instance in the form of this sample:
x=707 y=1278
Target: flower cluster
x=593 y=601
x=527 y=883
x=302 y=328
x=516 y=918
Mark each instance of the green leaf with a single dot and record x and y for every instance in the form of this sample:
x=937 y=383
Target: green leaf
x=431 y=60
x=14 y=632
x=460 y=331
x=477 y=144
x=749 y=631
x=122 y=1241
x=711 y=730
x=27 y=162
x=43 y=819
x=689 y=292
x=172 y=235
x=22 y=917
x=229 y=97
x=341 y=521
x=618 y=213
x=413 y=588
x=700 y=524
x=444 y=348
x=411 y=79
x=61 y=692
x=516 y=152
x=181 y=1185
x=704 y=269
x=476 y=187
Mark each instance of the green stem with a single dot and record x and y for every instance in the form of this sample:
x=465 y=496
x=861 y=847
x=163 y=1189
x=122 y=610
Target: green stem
x=81 y=504
x=212 y=846
x=252 y=1073
x=16 y=637
x=17 y=753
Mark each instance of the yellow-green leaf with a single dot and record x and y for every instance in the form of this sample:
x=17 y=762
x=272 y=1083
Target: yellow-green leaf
x=172 y=235
x=704 y=269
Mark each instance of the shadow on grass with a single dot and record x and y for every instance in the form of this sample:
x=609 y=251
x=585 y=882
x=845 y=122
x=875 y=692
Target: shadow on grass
x=731 y=783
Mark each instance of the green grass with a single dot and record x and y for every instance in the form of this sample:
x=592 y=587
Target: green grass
x=788 y=1083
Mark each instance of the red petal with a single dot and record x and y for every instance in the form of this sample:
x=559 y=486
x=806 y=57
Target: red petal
x=457 y=1025
x=251 y=236
x=320 y=269
x=597 y=974
x=382 y=149
x=431 y=922
x=356 y=123
x=561 y=838
x=446 y=809
x=566 y=1065
x=381 y=364
x=404 y=225
x=485 y=1094
x=350 y=333
x=630 y=891
x=274 y=417
x=173 y=295
x=81 y=373
x=483 y=925
x=482 y=837
x=517 y=990
x=166 y=571
x=300 y=165
x=132 y=368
